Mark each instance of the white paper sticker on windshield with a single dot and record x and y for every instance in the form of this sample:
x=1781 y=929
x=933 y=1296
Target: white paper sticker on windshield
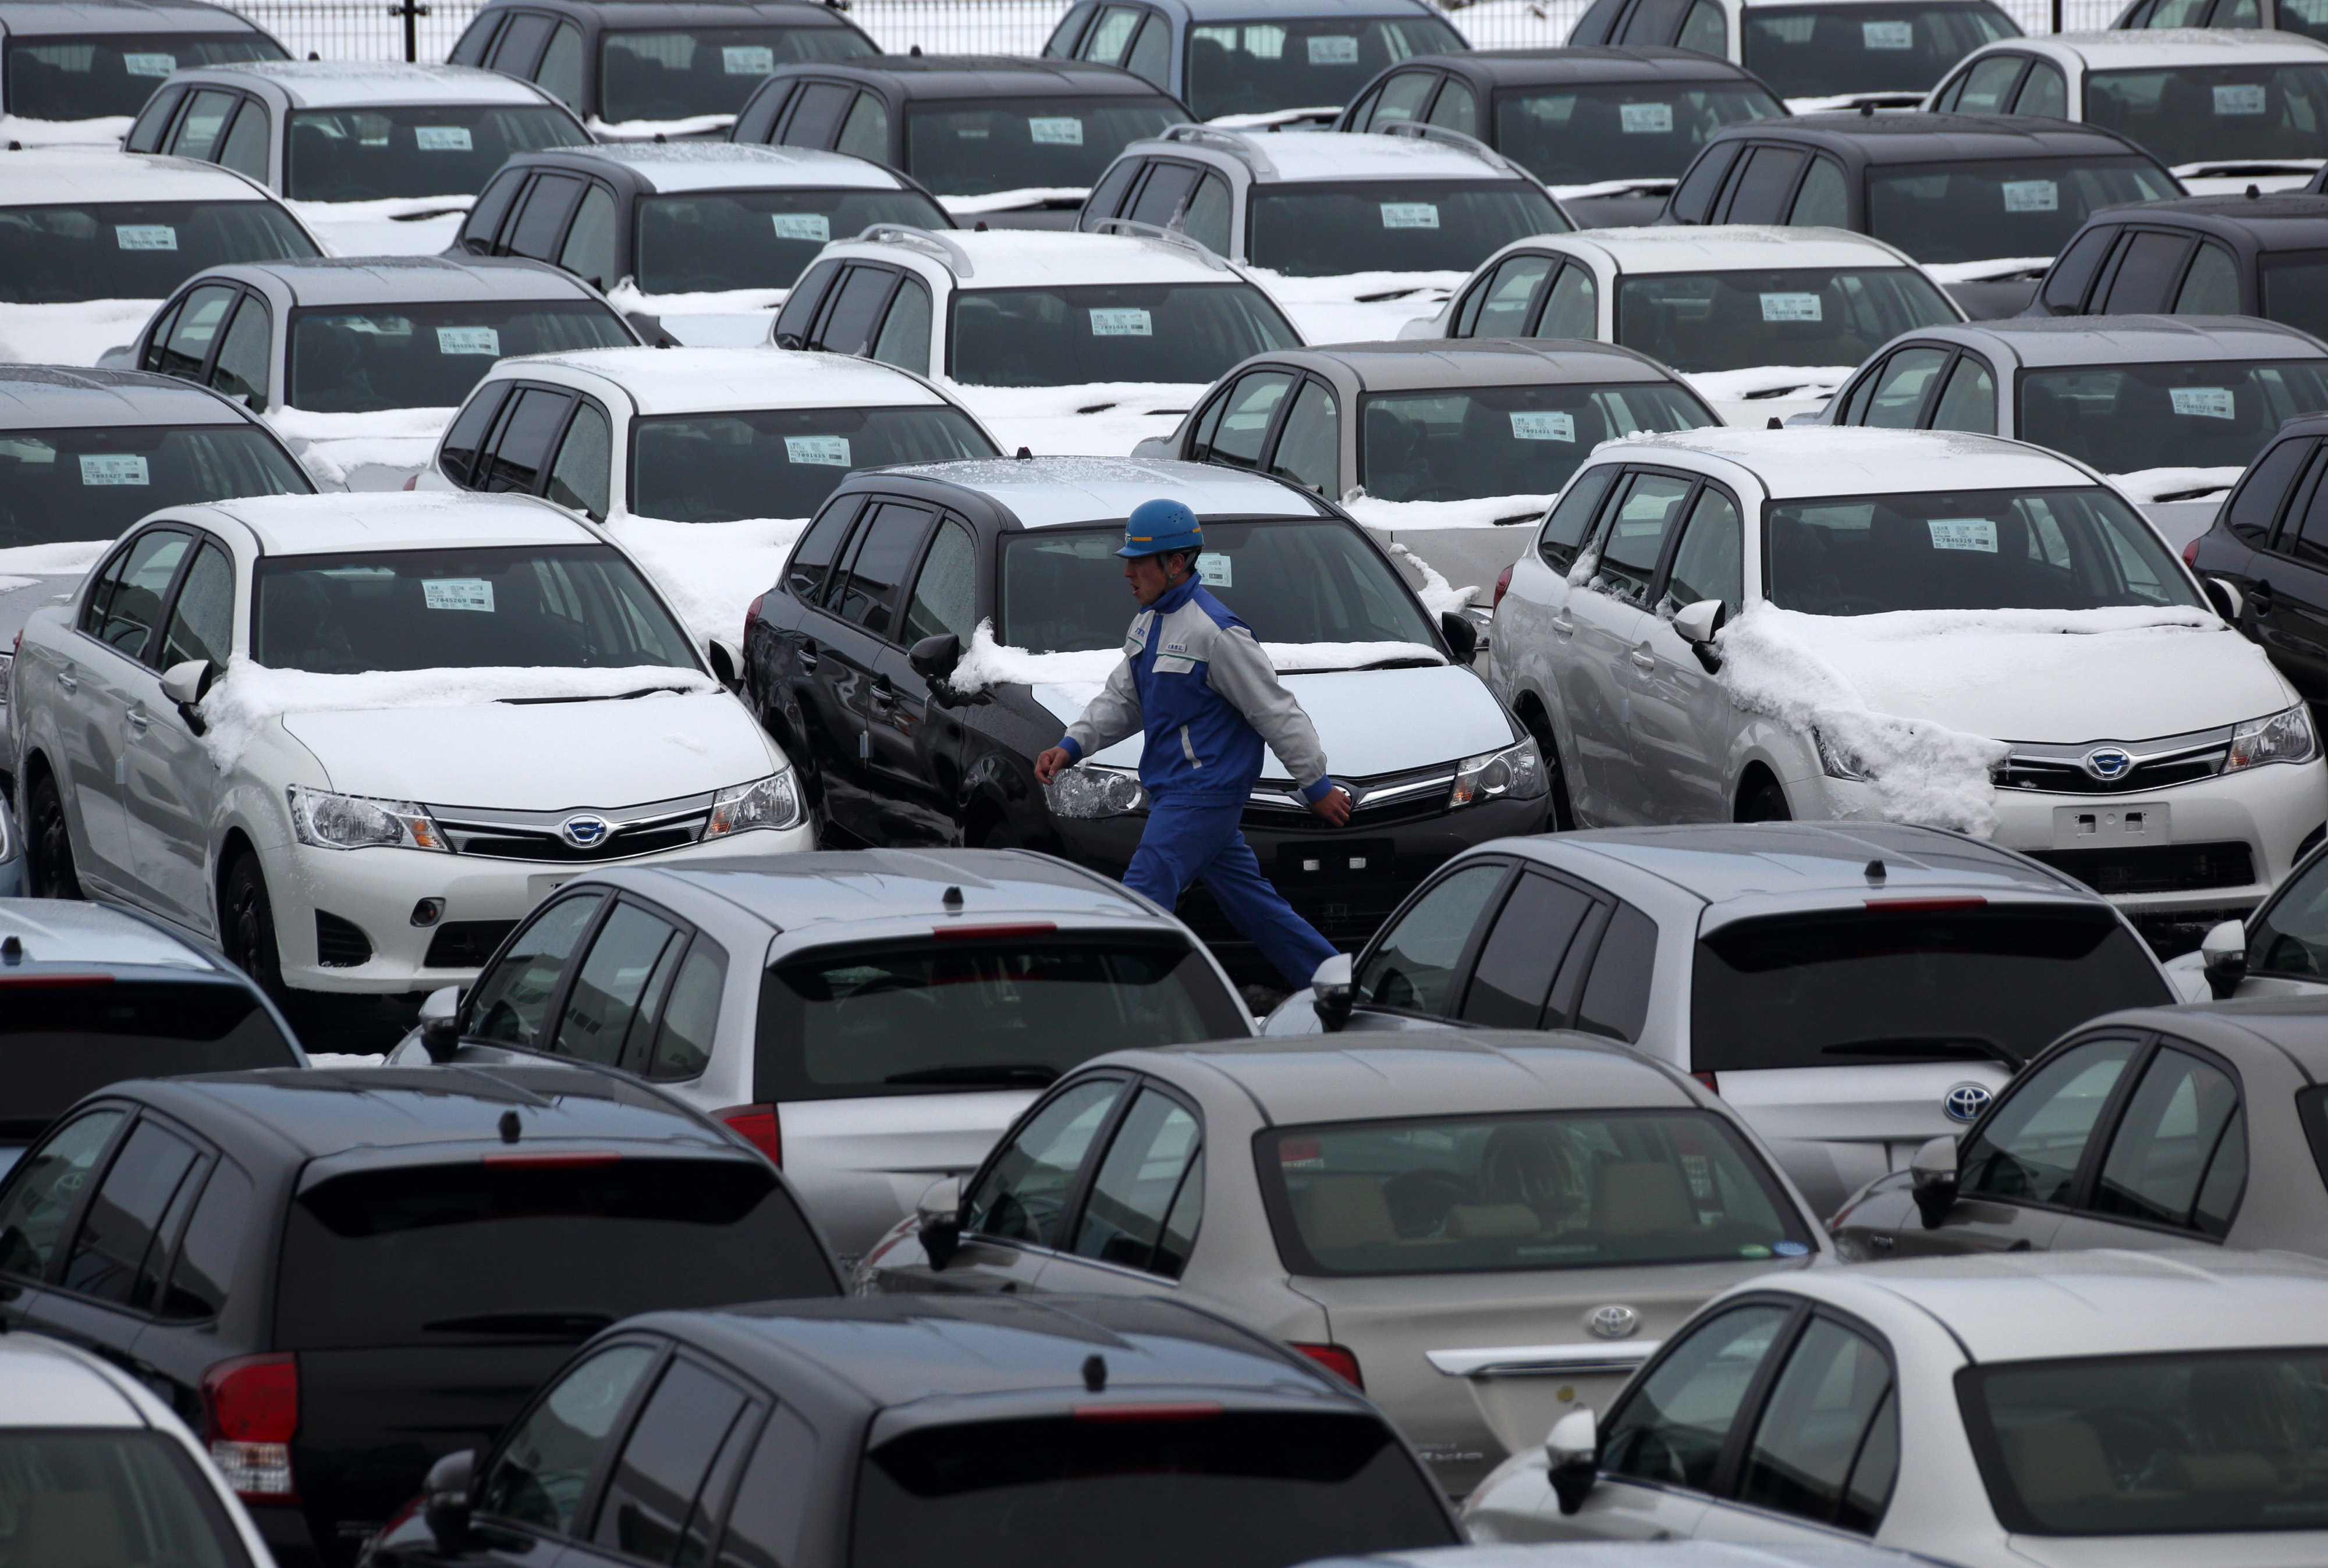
x=2201 y=402
x=1791 y=307
x=2239 y=100
x=457 y=594
x=1410 y=214
x=1887 y=35
x=469 y=341
x=113 y=468
x=823 y=450
x=2031 y=196
x=1333 y=52
x=443 y=138
x=1054 y=131
x=747 y=59
x=146 y=236
x=1122 y=321
x=814 y=226
x=1646 y=119
x=1213 y=571
x=1543 y=426
x=1963 y=534
x=149 y=64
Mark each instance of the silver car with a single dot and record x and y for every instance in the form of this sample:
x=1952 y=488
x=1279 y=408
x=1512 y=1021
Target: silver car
x=1483 y=1230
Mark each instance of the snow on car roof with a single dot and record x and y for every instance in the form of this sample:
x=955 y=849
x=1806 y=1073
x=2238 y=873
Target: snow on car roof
x=51 y=19
x=1044 y=492
x=2136 y=47
x=705 y=380
x=358 y=522
x=1726 y=247
x=2045 y=341
x=1039 y=258
x=671 y=166
x=328 y=84
x=371 y=280
x=67 y=397
x=69 y=176
x=1823 y=460
x=1360 y=156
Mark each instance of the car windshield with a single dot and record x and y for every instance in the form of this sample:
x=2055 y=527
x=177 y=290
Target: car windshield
x=1011 y=1010
x=676 y=74
x=57 y=485
x=1258 y=67
x=427 y=150
x=551 y=607
x=156 y=1505
x=2187 y=1444
x=1294 y=581
x=722 y=240
x=1466 y=1195
x=429 y=355
x=1322 y=230
x=1829 y=50
x=1159 y=332
x=2038 y=549
x=110 y=73
x=2021 y=207
x=718 y=467
x=135 y=250
x=1732 y=320
x=1027 y=143
x=2123 y=418
x=1836 y=988
x=63 y=1037
x=1457 y=444
x=1575 y=135
x=2206 y=113
x=2295 y=290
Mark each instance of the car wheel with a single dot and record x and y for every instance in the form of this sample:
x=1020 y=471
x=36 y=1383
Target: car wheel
x=1563 y=812
x=250 y=929
x=48 y=843
x=1765 y=802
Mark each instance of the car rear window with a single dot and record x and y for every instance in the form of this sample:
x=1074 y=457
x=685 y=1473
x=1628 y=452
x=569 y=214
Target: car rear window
x=1191 y=1483
x=1855 y=987
x=551 y=1244
x=1001 y=1013
x=59 y=1042
x=98 y=1498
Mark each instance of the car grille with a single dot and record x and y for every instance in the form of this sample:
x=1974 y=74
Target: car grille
x=1383 y=802
x=537 y=836
x=2162 y=868
x=465 y=944
x=2158 y=764
x=340 y=944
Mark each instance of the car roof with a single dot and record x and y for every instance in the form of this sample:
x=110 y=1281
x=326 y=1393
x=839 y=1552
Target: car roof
x=684 y=380
x=349 y=83
x=2131 y=48
x=64 y=396
x=1731 y=247
x=1049 y=491
x=1037 y=258
x=349 y=522
x=675 y=166
x=959 y=76
x=1264 y=10
x=2296 y=1026
x=1857 y=460
x=56 y=18
x=366 y=280
x=1413 y=364
x=2284 y=220
x=1281 y=158
x=72 y=936
x=46 y=1383
x=70 y=176
x=619 y=15
x=1935 y=138
x=1584 y=63
x=2102 y=341
x=1658 y=1553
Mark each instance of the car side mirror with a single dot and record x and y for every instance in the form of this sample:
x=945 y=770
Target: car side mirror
x=440 y=1024
x=1460 y=634
x=1696 y=624
x=2223 y=958
x=1573 y=1450
x=940 y=1221
x=934 y=659
x=445 y=1500
x=1932 y=1180
x=185 y=685
x=2224 y=597
x=1330 y=993
x=723 y=666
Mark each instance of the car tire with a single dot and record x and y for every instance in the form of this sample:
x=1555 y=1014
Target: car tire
x=1765 y=802
x=246 y=927
x=48 y=843
x=1563 y=810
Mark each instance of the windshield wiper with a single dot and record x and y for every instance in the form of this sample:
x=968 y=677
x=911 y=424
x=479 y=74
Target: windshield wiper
x=579 y=1325
x=1953 y=1047
x=1010 y=1075
x=610 y=697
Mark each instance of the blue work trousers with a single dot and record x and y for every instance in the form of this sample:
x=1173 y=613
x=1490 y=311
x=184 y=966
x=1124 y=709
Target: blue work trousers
x=1197 y=840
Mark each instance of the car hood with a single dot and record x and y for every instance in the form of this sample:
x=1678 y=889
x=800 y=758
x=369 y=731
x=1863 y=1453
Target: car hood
x=532 y=757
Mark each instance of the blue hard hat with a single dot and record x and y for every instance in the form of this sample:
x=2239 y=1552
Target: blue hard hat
x=1157 y=526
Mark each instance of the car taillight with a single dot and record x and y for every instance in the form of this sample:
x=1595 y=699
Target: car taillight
x=1183 y=1410
x=251 y=1409
x=412 y=484
x=1503 y=586
x=2190 y=554
x=752 y=615
x=1713 y=1085
x=1335 y=1359
x=756 y=1125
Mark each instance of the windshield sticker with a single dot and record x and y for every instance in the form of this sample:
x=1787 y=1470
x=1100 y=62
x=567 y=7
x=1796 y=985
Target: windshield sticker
x=146 y=236
x=1791 y=307
x=747 y=59
x=1646 y=119
x=821 y=451
x=1122 y=321
x=457 y=594
x=443 y=138
x=1060 y=131
x=1754 y=1249
x=2201 y=402
x=1543 y=426
x=814 y=226
x=2239 y=100
x=1333 y=52
x=113 y=468
x=2031 y=196
x=1410 y=214
x=1213 y=571
x=163 y=64
x=1887 y=35
x=469 y=341
x=1963 y=534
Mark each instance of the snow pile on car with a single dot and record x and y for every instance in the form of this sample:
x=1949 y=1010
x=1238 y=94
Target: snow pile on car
x=1080 y=675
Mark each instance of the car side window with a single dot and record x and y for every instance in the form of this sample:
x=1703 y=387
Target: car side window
x=187 y=347
x=521 y=447
x=1827 y=1445
x=458 y=454
x=1244 y=420
x=848 y=325
x=1162 y=192
x=811 y=562
x=1150 y=59
x=1633 y=538
x=1694 y=195
x=2212 y=286
x=1109 y=194
x=1573 y=308
x=1674 y=1422
x=1705 y=30
x=655 y=1506
x=589 y=252
x=1310 y=444
x=1617 y=997
x=690 y=1016
x=484 y=220
x=1571 y=518
x=1149 y=1193
x=1989 y=84
x=541 y=221
x=816 y=114
x=520 y=44
x=773 y=1498
x=153 y=120
x=1457 y=108
x=2030 y=1145
x=136 y=604
x=1709 y=562
x=538 y=1476
x=1824 y=199
x=1761 y=191
x=201 y=621
x=2291 y=937
x=798 y=318
x=244 y=355
x=509 y=1000
x=581 y=477
x=945 y=592
x=905 y=338
x=1111 y=36
x=560 y=75
x=1897 y=402
x=2179 y=1156
x=2046 y=92
x=2149 y=268
x=126 y=1211
x=1524 y=950
x=1402 y=97
x=2064 y=289
x=244 y=150
x=47 y=1185
x=866 y=592
x=865 y=134
x=1206 y=217
x=198 y=133
x=609 y=1014
x=1022 y=1194
x=1412 y=965
x=1968 y=401
x=1498 y=307
x=204 y=1270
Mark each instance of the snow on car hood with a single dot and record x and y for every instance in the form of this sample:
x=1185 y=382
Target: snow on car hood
x=75 y=332
x=1357 y=307
x=391 y=226
x=374 y=450
x=1086 y=419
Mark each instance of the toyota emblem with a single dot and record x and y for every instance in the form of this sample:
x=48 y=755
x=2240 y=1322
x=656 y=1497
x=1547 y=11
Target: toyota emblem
x=1614 y=1322
x=2109 y=763
x=1965 y=1102
x=584 y=832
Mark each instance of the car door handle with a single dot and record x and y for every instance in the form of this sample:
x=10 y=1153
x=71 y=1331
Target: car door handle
x=881 y=693
x=1642 y=661
x=66 y=680
x=1563 y=627
x=2259 y=598
x=807 y=656
x=137 y=722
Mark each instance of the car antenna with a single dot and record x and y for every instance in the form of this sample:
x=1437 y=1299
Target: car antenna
x=508 y=1127
x=951 y=899
x=1866 y=109
x=916 y=50
x=1095 y=1373
x=1875 y=873
x=2253 y=192
x=12 y=951
x=1776 y=422
x=1026 y=454
x=313 y=55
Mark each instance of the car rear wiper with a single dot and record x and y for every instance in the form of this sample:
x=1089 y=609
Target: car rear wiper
x=579 y=1325
x=609 y=697
x=1012 y=1075
x=1959 y=1047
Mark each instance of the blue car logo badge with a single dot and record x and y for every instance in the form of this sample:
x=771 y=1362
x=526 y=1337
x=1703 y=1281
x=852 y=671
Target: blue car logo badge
x=1965 y=1102
x=584 y=832
x=2109 y=763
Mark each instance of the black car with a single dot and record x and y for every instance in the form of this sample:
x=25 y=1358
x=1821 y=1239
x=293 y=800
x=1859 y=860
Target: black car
x=2269 y=543
x=899 y=1430
x=2297 y=16
x=1875 y=53
x=653 y=62
x=1597 y=116
x=1022 y=136
x=2203 y=256
x=337 y=1276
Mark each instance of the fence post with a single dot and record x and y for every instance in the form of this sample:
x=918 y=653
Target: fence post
x=2057 y=15
x=412 y=12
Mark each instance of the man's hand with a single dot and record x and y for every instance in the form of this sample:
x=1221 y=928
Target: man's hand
x=1334 y=806
x=1049 y=765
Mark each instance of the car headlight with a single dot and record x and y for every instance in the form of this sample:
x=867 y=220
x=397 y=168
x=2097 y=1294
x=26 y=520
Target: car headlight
x=1514 y=773
x=2285 y=737
x=1085 y=792
x=329 y=821
x=1833 y=763
x=774 y=801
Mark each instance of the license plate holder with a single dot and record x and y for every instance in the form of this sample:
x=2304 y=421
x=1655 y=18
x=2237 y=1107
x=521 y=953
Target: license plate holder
x=1335 y=861
x=2113 y=825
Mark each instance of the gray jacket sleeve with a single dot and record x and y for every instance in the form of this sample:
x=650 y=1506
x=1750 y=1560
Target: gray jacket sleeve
x=1240 y=671
x=1113 y=716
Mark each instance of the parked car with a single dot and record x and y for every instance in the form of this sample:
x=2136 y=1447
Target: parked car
x=2297 y=18
x=1020 y=575
x=1607 y=129
x=2279 y=951
x=1867 y=53
x=324 y=785
x=1274 y=64
x=2001 y=1410
x=866 y=1018
x=1091 y=1433
x=344 y=1273
x=99 y=63
x=1879 y=549
x=1649 y=1554
x=1419 y=1215
x=2208 y=255
x=636 y=69
x=999 y=136
x=2223 y=110
x=2264 y=548
x=1431 y=420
